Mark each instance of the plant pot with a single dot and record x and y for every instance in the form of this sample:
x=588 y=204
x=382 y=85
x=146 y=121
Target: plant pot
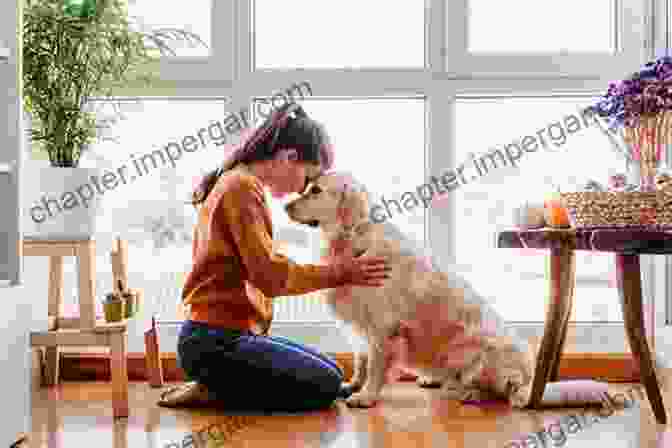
x=114 y=310
x=60 y=203
x=131 y=303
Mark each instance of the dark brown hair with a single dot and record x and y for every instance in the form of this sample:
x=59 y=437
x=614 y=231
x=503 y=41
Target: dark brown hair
x=288 y=127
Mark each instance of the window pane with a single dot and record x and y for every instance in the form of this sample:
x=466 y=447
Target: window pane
x=325 y=34
x=541 y=26
x=575 y=153
x=193 y=16
x=385 y=162
x=149 y=210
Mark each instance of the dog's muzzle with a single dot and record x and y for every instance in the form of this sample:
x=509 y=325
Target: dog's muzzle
x=289 y=208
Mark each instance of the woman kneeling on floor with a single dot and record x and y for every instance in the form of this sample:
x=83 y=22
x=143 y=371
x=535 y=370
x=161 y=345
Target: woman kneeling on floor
x=224 y=346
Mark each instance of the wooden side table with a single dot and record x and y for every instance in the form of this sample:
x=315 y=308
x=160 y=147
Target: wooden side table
x=627 y=244
x=84 y=330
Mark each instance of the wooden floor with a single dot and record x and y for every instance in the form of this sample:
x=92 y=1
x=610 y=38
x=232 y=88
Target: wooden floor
x=79 y=414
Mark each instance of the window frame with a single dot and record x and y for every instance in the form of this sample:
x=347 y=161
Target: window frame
x=631 y=21
x=173 y=70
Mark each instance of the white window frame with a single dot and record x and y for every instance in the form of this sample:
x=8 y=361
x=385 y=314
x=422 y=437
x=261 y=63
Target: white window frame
x=229 y=73
x=216 y=67
x=630 y=39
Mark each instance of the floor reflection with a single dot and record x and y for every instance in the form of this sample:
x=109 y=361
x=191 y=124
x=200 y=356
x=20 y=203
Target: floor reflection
x=80 y=415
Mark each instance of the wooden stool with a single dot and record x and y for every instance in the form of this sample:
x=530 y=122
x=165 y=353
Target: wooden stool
x=84 y=330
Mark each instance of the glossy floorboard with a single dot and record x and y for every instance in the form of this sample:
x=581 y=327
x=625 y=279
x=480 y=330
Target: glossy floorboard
x=79 y=414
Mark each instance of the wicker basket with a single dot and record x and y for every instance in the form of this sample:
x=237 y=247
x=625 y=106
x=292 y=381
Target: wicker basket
x=618 y=209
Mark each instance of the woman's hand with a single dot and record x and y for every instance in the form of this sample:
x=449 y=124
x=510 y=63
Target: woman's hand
x=364 y=271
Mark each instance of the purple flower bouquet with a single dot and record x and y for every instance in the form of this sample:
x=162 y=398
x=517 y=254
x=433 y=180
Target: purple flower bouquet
x=642 y=106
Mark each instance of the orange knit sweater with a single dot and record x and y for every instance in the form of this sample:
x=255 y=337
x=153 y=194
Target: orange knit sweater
x=236 y=272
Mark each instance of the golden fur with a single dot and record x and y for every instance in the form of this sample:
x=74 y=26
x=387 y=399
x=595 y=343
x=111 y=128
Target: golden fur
x=435 y=314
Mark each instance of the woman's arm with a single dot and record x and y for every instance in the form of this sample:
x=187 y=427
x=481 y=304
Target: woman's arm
x=243 y=212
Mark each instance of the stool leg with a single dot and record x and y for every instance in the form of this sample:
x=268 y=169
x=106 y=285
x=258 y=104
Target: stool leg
x=86 y=271
x=119 y=374
x=563 y=268
x=630 y=294
x=54 y=311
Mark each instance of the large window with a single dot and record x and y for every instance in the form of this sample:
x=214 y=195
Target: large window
x=150 y=212
x=405 y=89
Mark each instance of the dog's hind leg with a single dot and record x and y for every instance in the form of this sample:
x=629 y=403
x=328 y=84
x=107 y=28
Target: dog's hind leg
x=466 y=385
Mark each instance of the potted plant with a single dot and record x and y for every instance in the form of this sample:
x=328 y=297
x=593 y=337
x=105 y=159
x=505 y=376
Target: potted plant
x=75 y=51
x=640 y=107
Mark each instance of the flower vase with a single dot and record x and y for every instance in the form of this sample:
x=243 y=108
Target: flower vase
x=647 y=142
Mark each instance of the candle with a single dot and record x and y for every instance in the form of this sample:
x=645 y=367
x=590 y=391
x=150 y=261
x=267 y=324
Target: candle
x=556 y=213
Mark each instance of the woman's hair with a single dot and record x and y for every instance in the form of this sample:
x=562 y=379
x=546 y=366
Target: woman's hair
x=287 y=127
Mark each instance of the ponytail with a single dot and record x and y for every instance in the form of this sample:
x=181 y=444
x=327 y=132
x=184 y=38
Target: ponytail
x=265 y=142
x=205 y=186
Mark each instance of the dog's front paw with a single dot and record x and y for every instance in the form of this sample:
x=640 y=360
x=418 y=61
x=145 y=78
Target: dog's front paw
x=520 y=397
x=428 y=382
x=362 y=400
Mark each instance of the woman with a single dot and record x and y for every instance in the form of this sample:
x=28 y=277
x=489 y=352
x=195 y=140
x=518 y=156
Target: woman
x=224 y=344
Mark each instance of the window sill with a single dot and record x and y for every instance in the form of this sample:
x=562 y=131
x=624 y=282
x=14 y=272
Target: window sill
x=592 y=280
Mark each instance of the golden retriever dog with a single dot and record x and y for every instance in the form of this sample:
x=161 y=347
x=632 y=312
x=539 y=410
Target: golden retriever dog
x=429 y=321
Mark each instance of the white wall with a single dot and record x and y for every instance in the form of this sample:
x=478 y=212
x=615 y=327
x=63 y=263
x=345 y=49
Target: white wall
x=16 y=309
x=15 y=316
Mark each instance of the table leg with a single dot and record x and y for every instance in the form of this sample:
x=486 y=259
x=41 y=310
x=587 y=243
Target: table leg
x=563 y=268
x=51 y=358
x=630 y=294
x=119 y=373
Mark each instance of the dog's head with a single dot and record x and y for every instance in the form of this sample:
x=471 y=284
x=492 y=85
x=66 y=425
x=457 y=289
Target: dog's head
x=332 y=202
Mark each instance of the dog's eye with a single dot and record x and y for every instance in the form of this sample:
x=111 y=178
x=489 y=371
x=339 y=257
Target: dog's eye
x=315 y=190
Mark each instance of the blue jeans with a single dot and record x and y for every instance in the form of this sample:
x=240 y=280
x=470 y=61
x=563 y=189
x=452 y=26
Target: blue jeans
x=257 y=373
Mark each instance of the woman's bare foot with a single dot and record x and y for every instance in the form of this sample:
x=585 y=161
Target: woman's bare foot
x=191 y=394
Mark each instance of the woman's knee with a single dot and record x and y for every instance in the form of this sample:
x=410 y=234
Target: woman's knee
x=329 y=382
x=189 y=355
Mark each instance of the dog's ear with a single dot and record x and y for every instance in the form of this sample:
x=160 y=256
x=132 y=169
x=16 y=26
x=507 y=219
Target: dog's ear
x=355 y=203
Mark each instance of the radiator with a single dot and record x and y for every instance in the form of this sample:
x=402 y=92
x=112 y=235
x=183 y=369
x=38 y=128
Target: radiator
x=305 y=308
x=163 y=294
